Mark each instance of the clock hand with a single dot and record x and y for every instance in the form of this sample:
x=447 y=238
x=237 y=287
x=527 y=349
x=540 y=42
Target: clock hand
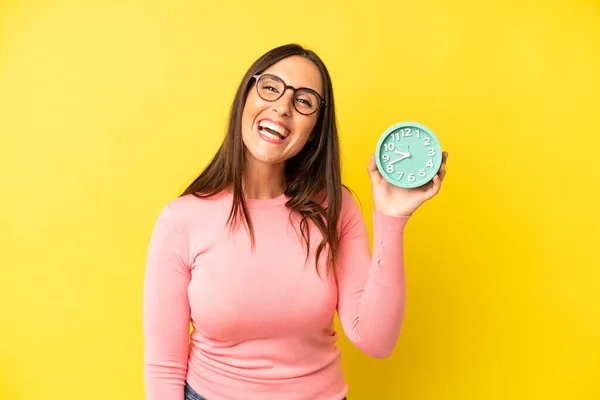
x=405 y=155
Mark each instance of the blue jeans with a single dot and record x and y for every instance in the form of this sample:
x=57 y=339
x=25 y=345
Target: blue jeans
x=190 y=394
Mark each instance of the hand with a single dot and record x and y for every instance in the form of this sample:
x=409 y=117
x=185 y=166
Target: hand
x=396 y=201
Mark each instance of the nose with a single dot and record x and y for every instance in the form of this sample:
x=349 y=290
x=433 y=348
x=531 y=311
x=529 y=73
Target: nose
x=283 y=105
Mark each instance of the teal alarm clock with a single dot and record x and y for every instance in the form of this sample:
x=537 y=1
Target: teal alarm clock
x=408 y=155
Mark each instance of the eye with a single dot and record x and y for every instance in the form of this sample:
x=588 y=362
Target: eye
x=270 y=88
x=304 y=102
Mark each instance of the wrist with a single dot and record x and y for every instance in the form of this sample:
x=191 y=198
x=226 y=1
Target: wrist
x=396 y=213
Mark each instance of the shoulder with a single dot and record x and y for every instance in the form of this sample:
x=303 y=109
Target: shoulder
x=350 y=202
x=351 y=213
x=349 y=199
x=184 y=209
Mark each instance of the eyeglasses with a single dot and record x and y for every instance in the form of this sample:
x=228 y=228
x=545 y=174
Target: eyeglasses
x=271 y=88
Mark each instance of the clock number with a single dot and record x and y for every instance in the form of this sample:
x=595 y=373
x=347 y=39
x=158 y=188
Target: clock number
x=385 y=157
x=429 y=163
x=395 y=137
x=400 y=174
x=431 y=152
x=390 y=168
x=411 y=177
x=406 y=132
x=418 y=133
x=389 y=146
x=427 y=140
x=422 y=172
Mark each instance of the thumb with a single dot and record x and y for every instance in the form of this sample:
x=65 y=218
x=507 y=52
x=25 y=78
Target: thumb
x=373 y=171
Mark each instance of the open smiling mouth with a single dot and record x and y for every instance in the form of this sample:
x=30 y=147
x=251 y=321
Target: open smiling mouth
x=267 y=127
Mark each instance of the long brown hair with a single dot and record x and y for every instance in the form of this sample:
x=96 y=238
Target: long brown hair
x=314 y=171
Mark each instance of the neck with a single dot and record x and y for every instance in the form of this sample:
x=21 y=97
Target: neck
x=263 y=181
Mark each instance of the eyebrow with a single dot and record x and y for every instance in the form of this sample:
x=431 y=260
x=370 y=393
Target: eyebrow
x=294 y=86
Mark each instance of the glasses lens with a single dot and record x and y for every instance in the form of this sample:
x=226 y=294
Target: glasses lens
x=270 y=88
x=306 y=101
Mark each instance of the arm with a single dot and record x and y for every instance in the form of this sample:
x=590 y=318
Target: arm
x=371 y=290
x=166 y=310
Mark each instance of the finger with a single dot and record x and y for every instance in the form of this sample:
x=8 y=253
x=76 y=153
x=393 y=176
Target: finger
x=444 y=157
x=373 y=171
x=426 y=188
x=442 y=171
x=372 y=164
x=436 y=184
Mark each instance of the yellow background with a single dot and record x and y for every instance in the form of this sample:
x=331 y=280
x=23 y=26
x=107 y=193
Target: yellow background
x=109 y=109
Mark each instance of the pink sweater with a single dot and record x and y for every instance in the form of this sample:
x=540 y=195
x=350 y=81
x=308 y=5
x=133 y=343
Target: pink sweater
x=263 y=320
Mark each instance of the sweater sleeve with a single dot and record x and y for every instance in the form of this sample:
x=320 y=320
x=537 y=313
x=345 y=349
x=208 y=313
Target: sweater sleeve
x=166 y=311
x=371 y=288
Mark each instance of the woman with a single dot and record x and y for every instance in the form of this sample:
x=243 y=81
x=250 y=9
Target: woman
x=265 y=246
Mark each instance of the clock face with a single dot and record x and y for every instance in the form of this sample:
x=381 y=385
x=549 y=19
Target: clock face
x=408 y=155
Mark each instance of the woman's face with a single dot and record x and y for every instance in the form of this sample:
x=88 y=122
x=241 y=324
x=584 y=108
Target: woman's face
x=274 y=131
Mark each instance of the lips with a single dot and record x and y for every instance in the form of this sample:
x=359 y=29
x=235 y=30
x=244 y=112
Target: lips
x=273 y=129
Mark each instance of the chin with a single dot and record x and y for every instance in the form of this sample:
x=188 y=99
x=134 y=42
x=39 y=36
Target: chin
x=264 y=158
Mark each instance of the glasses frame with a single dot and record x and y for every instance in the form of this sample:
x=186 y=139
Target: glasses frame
x=286 y=87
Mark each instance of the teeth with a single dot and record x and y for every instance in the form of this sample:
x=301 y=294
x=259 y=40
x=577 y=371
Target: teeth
x=273 y=127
